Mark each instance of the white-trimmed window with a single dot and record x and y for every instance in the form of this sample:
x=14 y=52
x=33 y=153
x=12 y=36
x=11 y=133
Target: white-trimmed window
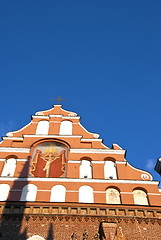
x=110 y=170
x=65 y=128
x=86 y=194
x=29 y=192
x=85 y=169
x=140 y=197
x=42 y=128
x=9 y=168
x=4 y=191
x=112 y=196
x=58 y=194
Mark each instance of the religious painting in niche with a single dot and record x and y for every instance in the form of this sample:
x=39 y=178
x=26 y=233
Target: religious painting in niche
x=49 y=160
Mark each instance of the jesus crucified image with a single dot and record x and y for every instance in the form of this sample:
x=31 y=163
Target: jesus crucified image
x=49 y=157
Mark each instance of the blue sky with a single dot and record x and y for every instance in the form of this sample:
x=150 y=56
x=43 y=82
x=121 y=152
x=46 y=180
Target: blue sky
x=103 y=57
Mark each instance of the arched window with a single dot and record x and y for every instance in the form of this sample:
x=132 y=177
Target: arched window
x=36 y=237
x=58 y=194
x=85 y=169
x=110 y=170
x=65 y=128
x=42 y=127
x=29 y=192
x=86 y=194
x=112 y=196
x=140 y=197
x=4 y=190
x=9 y=168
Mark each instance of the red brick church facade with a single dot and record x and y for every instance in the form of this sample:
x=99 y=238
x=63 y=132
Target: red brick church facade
x=59 y=181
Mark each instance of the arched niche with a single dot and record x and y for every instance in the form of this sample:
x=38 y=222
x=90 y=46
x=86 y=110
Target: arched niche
x=42 y=128
x=140 y=197
x=29 y=192
x=113 y=196
x=110 y=168
x=85 y=168
x=58 y=193
x=4 y=190
x=65 y=128
x=49 y=160
x=9 y=167
x=36 y=237
x=86 y=194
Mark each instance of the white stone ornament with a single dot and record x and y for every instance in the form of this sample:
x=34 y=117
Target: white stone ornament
x=39 y=114
x=145 y=176
x=9 y=134
x=96 y=135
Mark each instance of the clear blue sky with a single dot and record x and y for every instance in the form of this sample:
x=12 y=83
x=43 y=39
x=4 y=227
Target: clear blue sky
x=103 y=57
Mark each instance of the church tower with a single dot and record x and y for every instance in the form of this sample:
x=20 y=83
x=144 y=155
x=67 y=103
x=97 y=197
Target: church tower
x=59 y=181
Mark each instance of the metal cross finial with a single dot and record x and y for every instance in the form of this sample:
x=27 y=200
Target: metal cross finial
x=59 y=99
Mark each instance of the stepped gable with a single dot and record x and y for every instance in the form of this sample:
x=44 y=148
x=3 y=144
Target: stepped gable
x=54 y=171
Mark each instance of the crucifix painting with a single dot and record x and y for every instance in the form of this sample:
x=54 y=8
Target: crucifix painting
x=49 y=161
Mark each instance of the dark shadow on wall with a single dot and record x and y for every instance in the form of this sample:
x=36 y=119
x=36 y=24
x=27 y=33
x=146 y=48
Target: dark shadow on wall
x=11 y=227
x=50 y=233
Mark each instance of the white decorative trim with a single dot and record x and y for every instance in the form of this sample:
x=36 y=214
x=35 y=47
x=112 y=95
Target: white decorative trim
x=43 y=117
x=53 y=136
x=120 y=162
x=18 y=160
x=70 y=117
x=96 y=150
x=98 y=162
x=90 y=140
x=11 y=149
x=115 y=144
x=13 y=138
x=145 y=176
x=74 y=161
x=86 y=129
x=85 y=180
x=69 y=112
x=154 y=194
x=126 y=193
x=145 y=172
x=99 y=192
x=160 y=190
x=55 y=115
x=21 y=128
x=45 y=110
